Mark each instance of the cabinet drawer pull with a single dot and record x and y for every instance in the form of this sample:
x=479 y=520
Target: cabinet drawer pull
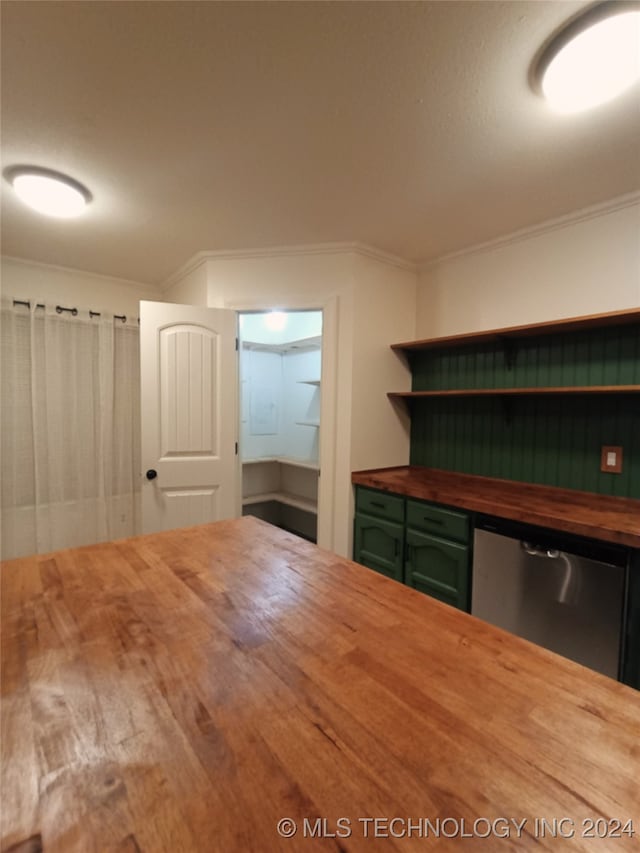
x=378 y=504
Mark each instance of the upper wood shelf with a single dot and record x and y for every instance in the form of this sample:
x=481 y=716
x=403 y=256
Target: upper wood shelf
x=572 y=324
x=496 y=392
x=300 y=345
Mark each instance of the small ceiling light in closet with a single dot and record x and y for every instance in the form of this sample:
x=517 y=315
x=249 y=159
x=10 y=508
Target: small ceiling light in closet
x=48 y=192
x=275 y=320
x=592 y=60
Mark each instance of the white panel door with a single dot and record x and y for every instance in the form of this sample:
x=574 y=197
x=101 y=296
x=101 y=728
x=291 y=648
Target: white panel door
x=188 y=366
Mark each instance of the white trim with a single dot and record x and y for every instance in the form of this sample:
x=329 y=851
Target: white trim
x=384 y=257
x=152 y=288
x=328 y=439
x=549 y=225
x=280 y=251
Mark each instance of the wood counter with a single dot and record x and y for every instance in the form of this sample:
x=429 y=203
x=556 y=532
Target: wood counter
x=597 y=516
x=185 y=691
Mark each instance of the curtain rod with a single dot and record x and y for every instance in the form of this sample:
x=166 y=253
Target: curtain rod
x=73 y=311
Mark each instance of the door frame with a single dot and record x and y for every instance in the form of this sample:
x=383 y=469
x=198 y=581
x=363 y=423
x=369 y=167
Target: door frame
x=328 y=401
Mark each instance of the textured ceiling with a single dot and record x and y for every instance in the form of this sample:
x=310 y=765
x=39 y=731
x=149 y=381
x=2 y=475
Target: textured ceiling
x=204 y=126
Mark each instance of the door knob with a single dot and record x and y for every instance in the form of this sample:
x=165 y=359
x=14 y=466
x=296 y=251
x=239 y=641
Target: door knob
x=151 y=474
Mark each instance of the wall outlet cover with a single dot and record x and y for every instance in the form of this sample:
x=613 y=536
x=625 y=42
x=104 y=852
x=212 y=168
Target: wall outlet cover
x=611 y=460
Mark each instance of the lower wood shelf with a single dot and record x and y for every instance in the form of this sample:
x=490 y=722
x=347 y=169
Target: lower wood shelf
x=512 y=392
x=287 y=498
x=284 y=460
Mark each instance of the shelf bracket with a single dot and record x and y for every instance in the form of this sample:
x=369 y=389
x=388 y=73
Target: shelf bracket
x=509 y=349
x=507 y=409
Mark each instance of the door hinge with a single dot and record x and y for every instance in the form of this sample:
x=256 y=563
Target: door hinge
x=237 y=345
x=236 y=448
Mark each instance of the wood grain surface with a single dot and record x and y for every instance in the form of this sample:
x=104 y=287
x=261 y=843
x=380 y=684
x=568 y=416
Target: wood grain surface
x=602 y=517
x=185 y=691
x=516 y=392
x=568 y=324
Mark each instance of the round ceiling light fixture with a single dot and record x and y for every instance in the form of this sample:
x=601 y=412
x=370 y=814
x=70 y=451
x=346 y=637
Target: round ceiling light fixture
x=593 y=59
x=48 y=192
x=275 y=320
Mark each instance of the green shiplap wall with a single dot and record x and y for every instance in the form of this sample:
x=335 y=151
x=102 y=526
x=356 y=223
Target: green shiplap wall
x=554 y=440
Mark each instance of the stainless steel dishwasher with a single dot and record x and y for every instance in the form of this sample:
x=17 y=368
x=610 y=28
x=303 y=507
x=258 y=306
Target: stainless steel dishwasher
x=562 y=592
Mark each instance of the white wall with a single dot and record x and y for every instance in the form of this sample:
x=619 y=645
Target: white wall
x=307 y=280
x=586 y=266
x=261 y=382
x=276 y=380
x=301 y=403
x=297 y=325
x=368 y=304
x=73 y=288
x=385 y=314
x=190 y=289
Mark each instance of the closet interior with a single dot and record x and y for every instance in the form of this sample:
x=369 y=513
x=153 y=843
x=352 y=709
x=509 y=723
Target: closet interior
x=280 y=382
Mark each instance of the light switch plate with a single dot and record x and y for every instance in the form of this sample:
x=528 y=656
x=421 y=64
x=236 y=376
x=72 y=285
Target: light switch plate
x=611 y=460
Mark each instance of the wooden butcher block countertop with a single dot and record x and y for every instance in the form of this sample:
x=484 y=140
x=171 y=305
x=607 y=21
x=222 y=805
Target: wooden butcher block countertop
x=189 y=690
x=598 y=516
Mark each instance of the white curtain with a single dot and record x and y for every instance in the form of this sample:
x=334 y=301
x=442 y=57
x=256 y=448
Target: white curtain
x=70 y=424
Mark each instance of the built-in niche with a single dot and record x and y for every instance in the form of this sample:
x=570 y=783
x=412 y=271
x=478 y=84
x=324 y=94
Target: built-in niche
x=280 y=384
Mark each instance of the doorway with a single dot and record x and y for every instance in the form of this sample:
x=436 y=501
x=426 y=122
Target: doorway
x=280 y=371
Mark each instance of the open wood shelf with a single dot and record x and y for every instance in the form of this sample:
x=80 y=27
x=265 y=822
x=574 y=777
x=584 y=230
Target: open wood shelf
x=571 y=324
x=512 y=392
x=283 y=497
x=284 y=460
x=302 y=344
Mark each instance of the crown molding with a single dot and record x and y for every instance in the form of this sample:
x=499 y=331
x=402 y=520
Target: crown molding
x=384 y=257
x=583 y=215
x=287 y=251
x=126 y=282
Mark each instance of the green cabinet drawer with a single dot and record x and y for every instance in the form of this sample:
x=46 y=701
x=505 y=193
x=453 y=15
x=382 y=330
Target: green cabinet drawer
x=434 y=519
x=438 y=567
x=379 y=545
x=381 y=504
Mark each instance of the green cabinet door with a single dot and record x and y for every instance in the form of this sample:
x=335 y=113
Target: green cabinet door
x=379 y=545
x=438 y=567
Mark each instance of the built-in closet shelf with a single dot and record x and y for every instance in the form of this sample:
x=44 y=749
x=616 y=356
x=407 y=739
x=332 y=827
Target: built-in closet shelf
x=283 y=497
x=284 y=460
x=315 y=382
x=308 y=423
x=313 y=343
x=514 y=392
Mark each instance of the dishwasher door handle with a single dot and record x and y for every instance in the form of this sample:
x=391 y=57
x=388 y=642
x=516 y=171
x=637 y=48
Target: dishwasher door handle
x=536 y=551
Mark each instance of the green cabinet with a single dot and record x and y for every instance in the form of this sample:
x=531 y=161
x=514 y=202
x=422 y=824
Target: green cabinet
x=437 y=552
x=438 y=567
x=379 y=545
x=379 y=532
x=423 y=545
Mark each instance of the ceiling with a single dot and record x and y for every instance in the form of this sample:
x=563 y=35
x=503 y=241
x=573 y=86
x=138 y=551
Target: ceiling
x=218 y=126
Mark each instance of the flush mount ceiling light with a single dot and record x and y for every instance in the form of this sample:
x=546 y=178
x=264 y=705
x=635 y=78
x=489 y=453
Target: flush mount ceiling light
x=48 y=192
x=593 y=59
x=275 y=320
